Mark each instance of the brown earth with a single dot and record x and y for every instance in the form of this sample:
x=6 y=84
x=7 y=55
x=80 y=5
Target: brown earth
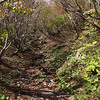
x=25 y=76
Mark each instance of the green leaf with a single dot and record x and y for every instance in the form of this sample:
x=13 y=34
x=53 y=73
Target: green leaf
x=2 y=38
x=98 y=72
x=90 y=67
x=13 y=10
x=96 y=80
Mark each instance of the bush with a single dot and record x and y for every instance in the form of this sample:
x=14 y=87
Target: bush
x=2 y=96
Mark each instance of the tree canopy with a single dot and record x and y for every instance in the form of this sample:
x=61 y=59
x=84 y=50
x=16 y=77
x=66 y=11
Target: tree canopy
x=55 y=44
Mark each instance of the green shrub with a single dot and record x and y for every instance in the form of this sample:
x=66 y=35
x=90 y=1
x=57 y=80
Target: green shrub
x=56 y=58
x=2 y=96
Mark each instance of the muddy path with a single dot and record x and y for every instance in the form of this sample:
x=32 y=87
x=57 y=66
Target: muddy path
x=25 y=76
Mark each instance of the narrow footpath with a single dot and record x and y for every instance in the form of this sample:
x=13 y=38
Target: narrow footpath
x=25 y=76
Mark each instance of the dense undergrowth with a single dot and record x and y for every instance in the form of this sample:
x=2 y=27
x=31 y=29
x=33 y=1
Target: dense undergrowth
x=72 y=24
x=79 y=69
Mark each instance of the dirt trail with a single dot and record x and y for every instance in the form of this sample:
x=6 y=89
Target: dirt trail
x=26 y=76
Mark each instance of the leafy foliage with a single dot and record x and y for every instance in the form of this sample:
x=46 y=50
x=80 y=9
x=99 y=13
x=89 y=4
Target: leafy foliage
x=84 y=68
x=76 y=22
x=56 y=58
x=2 y=96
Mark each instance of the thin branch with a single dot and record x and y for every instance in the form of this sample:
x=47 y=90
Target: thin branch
x=94 y=1
x=8 y=46
x=3 y=49
x=97 y=18
x=81 y=15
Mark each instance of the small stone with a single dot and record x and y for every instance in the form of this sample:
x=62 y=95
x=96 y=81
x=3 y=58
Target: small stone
x=47 y=94
x=71 y=98
x=36 y=99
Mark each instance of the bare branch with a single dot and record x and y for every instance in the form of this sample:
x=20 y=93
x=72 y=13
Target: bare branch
x=5 y=46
